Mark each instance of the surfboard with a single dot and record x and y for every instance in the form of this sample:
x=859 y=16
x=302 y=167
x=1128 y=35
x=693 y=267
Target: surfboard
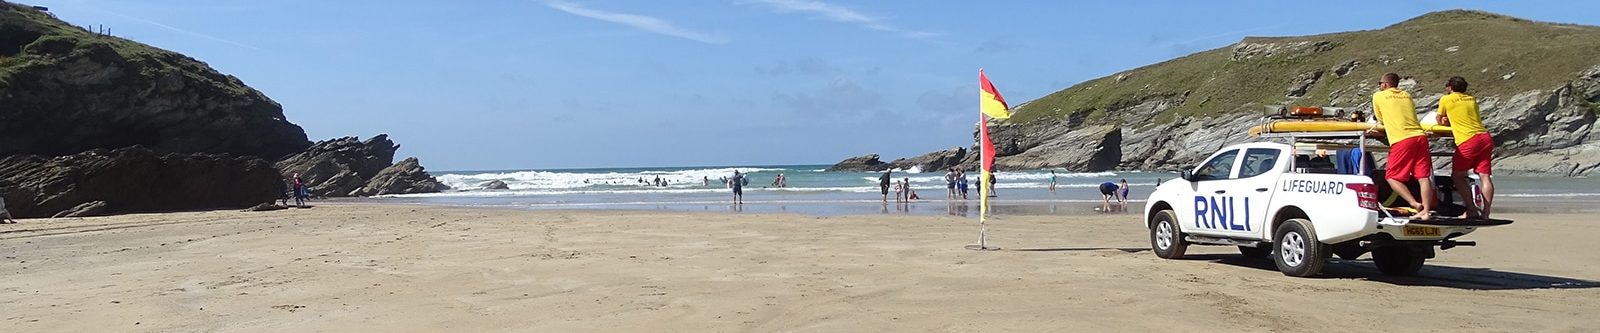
x=1290 y=126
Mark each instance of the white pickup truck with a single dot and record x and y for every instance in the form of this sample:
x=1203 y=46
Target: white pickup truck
x=1271 y=200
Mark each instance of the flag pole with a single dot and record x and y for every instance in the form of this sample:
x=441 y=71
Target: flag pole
x=983 y=190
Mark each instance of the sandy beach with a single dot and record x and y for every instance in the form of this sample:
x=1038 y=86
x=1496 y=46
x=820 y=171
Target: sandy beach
x=346 y=267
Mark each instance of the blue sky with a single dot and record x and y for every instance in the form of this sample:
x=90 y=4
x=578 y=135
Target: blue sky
x=503 y=84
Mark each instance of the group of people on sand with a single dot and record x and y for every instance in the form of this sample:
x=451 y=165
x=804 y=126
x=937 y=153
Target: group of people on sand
x=1410 y=158
x=297 y=189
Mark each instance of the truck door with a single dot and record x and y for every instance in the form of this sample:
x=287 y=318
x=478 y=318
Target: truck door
x=1207 y=211
x=1255 y=182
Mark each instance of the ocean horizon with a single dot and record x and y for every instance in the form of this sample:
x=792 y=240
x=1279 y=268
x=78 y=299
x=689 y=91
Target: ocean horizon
x=811 y=189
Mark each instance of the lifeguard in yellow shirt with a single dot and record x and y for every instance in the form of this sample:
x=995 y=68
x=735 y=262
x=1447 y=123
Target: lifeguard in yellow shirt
x=1474 y=147
x=1408 y=145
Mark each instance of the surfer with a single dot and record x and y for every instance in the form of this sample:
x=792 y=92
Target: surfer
x=1409 y=157
x=1474 y=147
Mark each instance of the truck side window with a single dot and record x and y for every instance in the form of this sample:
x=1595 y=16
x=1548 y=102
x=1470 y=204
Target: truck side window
x=1258 y=161
x=1218 y=167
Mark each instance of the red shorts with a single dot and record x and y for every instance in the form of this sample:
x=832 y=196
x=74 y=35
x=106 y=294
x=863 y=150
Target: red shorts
x=1409 y=159
x=1474 y=154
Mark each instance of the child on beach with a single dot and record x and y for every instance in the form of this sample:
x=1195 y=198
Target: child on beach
x=899 y=191
x=1124 y=191
x=910 y=194
x=1052 y=181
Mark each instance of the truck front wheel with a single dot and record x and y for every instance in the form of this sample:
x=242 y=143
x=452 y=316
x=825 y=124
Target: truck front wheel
x=1298 y=252
x=1165 y=239
x=1399 y=260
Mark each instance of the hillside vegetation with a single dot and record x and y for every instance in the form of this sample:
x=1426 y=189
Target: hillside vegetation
x=1482 y=47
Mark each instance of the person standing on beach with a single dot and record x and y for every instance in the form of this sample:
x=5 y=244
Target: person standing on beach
x=737 y=183
x=899 y=192
x=950 y=184
x=1124 y=191
x=1474 y=147
x=1409 y=157
x=961 y=183
x=5 y=215
x=883 y=184
x=1052 y=181
x=299 y=191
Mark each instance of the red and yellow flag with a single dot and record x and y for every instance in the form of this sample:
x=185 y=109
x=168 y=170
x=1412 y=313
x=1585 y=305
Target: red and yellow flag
x=989 y=99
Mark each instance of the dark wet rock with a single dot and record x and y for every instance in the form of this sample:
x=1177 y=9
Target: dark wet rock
x=134 y=179
x=339 y=167
x=494 y=185
x=87 y=209
x=868 y=162
x=405 y=177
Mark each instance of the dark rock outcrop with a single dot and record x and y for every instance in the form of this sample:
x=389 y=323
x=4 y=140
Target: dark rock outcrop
x=133 y=179
x=347 y=167
x=64 y=90
x=339 y=167
x=935 y=161
x=868 y=162
x=404 y=177
x=87 y=209
x=494 y=185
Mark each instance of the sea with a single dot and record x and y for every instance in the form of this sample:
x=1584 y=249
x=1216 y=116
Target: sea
x=812 y=190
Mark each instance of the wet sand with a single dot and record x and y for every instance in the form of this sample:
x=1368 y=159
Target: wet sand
x=372 y=267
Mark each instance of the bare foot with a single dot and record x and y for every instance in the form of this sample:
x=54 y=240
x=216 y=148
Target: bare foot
x=1422 y=216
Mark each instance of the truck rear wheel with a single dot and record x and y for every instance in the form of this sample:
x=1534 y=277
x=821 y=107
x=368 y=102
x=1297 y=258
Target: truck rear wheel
x=1165 y=239
x=1298 y=252
x=1399 y=260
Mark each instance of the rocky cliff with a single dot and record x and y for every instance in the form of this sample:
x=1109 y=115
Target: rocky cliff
x=133 y=179
x=347 y=166
x=1538 y=85
x=64 y=90
x=94 y=124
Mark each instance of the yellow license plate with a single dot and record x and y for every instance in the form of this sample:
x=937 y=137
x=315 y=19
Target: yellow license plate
x=1420 y=231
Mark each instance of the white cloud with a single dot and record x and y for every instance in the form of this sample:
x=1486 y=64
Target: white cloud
x=646 y=23
x=837 y=13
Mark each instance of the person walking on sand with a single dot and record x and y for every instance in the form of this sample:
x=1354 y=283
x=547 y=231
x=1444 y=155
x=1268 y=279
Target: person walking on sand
x=1123 y=191
x=883 y=185
x=1409 y=157
x=1052 y=181
x=737 y=184
x=1474 y=147
x=950 y=184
